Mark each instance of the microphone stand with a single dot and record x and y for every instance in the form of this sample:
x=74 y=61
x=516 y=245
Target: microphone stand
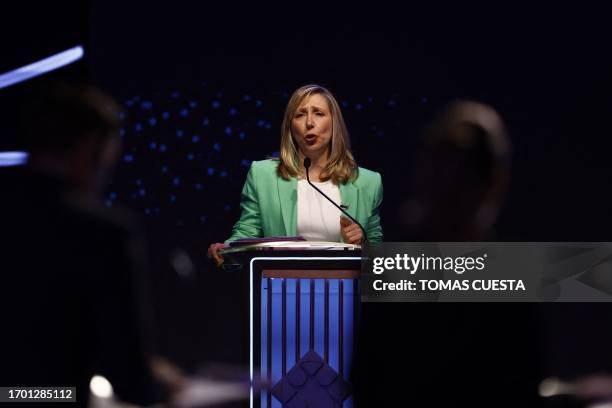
x=307 y=163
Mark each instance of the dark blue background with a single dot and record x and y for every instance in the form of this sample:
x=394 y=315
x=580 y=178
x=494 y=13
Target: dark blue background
x=204 y=89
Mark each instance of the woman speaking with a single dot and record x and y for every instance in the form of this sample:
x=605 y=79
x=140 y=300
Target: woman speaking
x=277 y=199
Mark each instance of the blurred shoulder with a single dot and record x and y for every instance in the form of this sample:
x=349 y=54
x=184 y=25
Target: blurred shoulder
x=97 y=217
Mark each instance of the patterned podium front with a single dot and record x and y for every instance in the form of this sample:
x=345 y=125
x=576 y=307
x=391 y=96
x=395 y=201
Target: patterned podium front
x=303 y=313
x=307 y=333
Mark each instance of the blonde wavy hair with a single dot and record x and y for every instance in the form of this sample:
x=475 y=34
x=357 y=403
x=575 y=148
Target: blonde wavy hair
x=341 y=166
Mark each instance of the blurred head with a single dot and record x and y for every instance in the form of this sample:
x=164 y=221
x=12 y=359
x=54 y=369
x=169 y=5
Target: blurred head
x=463 y=173
x=72 y=131
x=313 y=127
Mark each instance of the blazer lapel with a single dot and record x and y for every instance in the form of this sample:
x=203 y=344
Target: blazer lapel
x=349 y=195
x=287 y=194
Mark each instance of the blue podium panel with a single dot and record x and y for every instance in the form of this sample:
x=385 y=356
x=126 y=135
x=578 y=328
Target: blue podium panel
x=303 y=312
x=307 y=335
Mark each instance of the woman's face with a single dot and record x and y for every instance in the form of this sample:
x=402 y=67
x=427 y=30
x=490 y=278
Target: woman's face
x=311 y=126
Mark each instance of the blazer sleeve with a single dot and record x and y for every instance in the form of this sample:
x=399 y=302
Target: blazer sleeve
x=249 y=224
x=374 y=228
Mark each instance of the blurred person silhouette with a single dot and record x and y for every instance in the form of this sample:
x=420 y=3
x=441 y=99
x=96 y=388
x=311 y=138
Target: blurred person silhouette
x=74 y=297
x=461 y=354
x=461 y=177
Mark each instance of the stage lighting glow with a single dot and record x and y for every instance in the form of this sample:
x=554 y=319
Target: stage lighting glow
x=550 y=387
x=100 y=387
x=13 y=158
x=41 y=67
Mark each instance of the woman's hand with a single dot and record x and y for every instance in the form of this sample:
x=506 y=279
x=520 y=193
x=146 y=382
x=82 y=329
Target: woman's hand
x=351 y=232
x=213 y=252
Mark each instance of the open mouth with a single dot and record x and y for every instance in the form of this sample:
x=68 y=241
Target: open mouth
x=310 y=139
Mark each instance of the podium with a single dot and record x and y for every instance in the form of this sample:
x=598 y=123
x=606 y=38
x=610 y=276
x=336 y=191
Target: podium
x=302 y=317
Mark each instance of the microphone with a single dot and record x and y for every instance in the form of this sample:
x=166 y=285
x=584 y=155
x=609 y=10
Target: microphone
x=307 y=163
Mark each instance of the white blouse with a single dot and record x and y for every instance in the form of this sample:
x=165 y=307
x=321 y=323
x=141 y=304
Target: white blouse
x=317 y=218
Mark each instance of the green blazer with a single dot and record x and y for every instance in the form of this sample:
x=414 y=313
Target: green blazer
x=269 y=203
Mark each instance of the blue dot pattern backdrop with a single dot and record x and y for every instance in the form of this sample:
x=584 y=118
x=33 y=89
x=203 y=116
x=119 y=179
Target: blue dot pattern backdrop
x=186 y=152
